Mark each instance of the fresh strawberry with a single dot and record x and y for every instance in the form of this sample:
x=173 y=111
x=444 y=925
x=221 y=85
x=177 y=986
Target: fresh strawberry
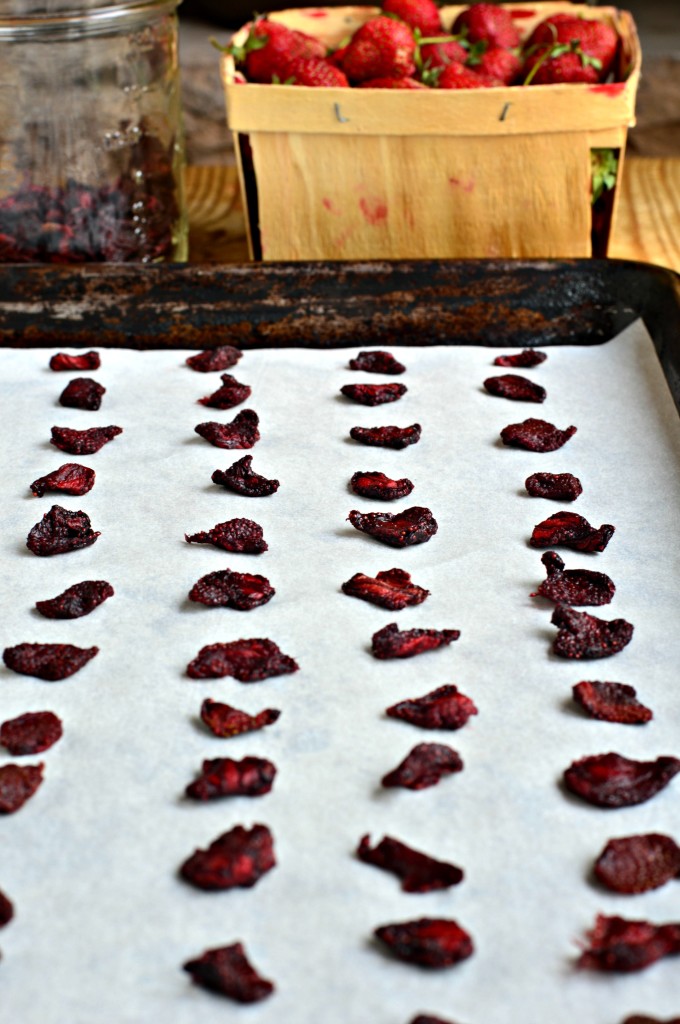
x=314 y=72
x=558 y=64
x=269 y=48
x=382 y=48
x=439 y=55
x=458 y=76
x=420 y=14
x=490 y=22
x=597 y=40
x=392 y=83
x=496 y=62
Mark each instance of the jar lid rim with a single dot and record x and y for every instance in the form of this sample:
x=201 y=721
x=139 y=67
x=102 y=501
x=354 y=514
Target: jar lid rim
x=73 y=14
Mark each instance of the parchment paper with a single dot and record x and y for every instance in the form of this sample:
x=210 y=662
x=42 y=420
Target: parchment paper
x=103 y=923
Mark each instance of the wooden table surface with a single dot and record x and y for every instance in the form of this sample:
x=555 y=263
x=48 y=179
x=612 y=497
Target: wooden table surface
x=647 y=227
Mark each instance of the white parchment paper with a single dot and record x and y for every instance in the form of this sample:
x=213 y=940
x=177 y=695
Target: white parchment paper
x=103 y=923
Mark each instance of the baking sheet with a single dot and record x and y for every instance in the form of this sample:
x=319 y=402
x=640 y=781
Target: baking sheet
x=103 y=923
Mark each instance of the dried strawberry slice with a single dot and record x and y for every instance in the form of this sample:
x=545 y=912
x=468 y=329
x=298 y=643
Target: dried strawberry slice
x=47 y=661
x=584 y=636
x=424 y=766
x=380 y=487
x=224 y=720
x=241 y=535
x=427 y=1018
x=536 y=436
x=387 y=437
x=638 y=863
x=611 y=702
x=569 y=530
x=418 y=871
x=242 y=432
x=374 y=394
x=82 y=393
x=642 y=1018
x=516 y=388
x=443 y=708
x=617 y=944
x=241 y=479
x=18 y=783
x=398 y=530
x=60 y=531
x=245 y=660
x=226 y=589
x=525 y=359
x=6 y=910
x=222 y=776
x=432 y=942
x=237 y=858
x=30 y=733
x=82 y=361
x=573 y=586
x=231 y=393
x=391 y=589
x=612 y=780
x=392 y=642
x=76 y=601
x=558 y=486
x=83 y=442
x=377 y=362
x=228 y=971
x=69 y=478
x=221 y=358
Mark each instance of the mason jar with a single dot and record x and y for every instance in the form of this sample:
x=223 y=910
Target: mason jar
x=91 y=145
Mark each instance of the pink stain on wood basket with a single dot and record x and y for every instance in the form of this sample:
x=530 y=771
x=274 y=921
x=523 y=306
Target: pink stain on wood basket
x=373 y=209
x=316 y=12
x=329 y=205
x=466 y=186
x=609 y=88
x=516 y=12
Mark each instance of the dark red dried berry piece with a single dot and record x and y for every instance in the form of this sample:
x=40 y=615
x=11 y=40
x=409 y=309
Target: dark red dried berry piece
x=18 y=783
x=241 y=479
x=228 y=971
x=431 y=942
x=377 y=362
x=642 y=1018
x=584 y=636
x=392 y=642
x=47 y=661
x=418 y=871
x=60 y=531
x=516 y=388
x=6 y=910
x=558 y=486
x=221 y=358
x=525 y=359
x=391 y=589
x=226 y=589
x=380 y=487
x=569 y=530
x=536 y=436
x=242 y=432
x=83 y=442
x=222 y=776
x=443 y=708
x=616 y=944
x=82 y=361
x=30 y=733
x=225 y=721
x=387 y=437
x=398 y=530
x=636 y=864
x=76 y=601
x=611 y=702
x=237 y=858
x=612 y=780
x=69 y=479
x=373 y=394
x=82 y=393
x=245 y=660
x=427 y=1018
x=242 y=535
x=424 y=766
x=231 y=393
x=573 y=586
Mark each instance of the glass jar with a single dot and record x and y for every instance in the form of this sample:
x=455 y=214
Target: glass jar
x=91 y=145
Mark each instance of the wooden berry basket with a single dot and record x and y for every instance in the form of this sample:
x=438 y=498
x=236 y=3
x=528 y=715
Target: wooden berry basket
x=375 y=174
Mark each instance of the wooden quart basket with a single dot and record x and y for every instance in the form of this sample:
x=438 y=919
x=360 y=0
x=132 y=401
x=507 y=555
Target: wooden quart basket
x=394 y=174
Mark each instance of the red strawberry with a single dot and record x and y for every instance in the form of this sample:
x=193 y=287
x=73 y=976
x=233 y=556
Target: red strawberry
x=490 y=22
x=420 y=14
x=597 y=40
x=439 y=55
x=270 y=46
x=458 y=76
x=314 y=72
x=496 y=62
x=391 y=83
x=567 y=64
x=382 y=48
